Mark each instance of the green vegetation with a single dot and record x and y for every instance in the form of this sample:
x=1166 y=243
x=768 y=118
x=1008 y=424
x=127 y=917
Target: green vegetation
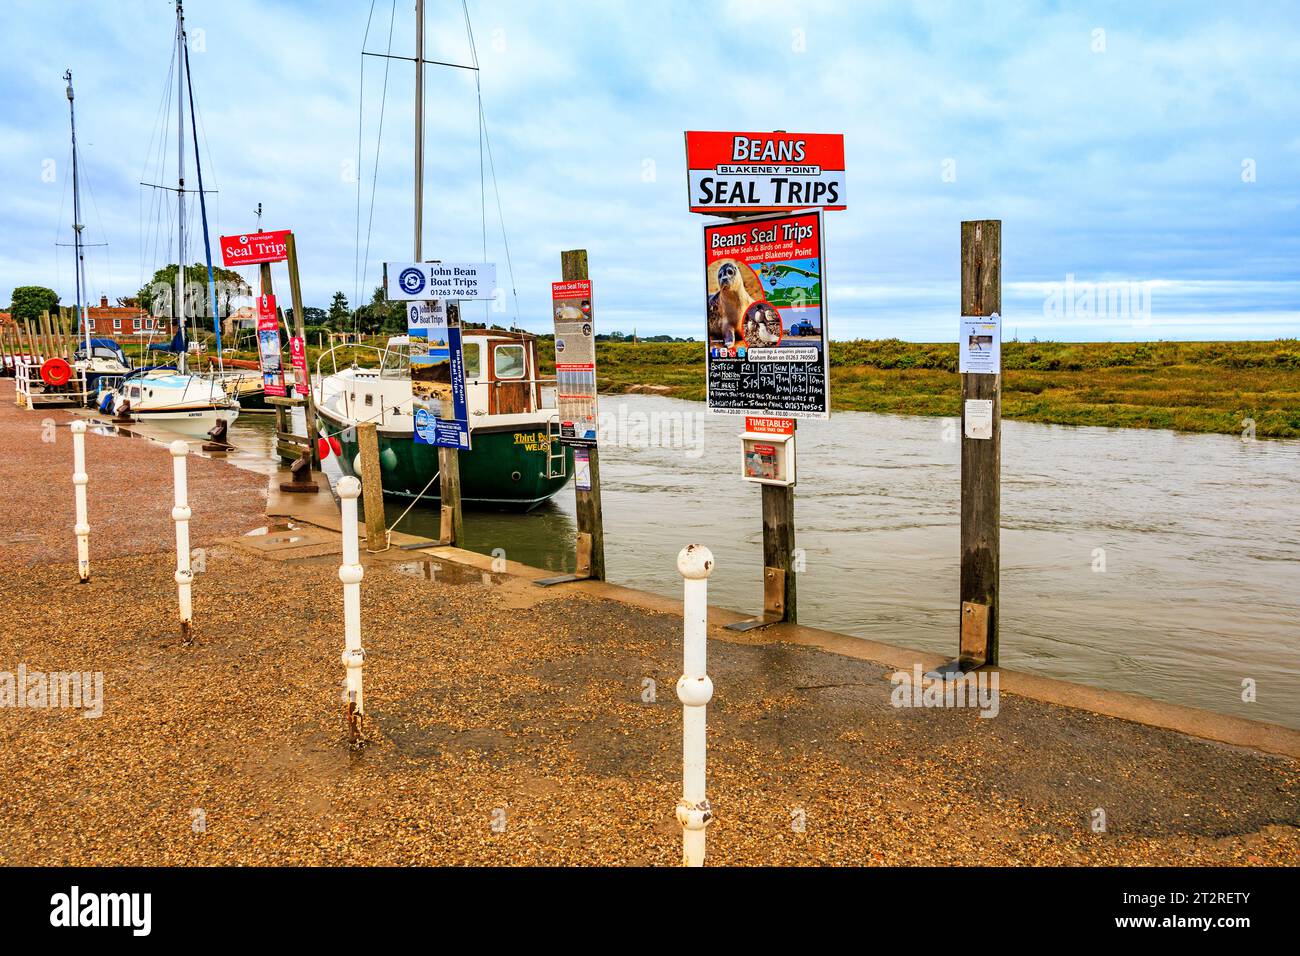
x=29 y=301
x=229 y=284
x=1188 y=386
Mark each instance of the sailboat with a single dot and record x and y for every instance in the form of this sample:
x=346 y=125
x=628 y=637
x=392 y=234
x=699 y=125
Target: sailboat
x=515 y=461
x=179 y=400
x=95 y=358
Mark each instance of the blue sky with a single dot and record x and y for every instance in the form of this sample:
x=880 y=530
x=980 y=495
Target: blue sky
x=1116 y=142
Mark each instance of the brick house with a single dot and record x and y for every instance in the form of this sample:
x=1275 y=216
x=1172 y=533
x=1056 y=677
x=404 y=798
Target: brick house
x=110 y=320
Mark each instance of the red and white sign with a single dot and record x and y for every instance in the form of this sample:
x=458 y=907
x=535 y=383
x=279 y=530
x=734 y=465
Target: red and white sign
x=298 y=353
x=268 y=346
x=764 y=172
x=255 y=247
x=769 y=426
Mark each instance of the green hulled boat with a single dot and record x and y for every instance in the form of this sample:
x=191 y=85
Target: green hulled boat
x=515 y=459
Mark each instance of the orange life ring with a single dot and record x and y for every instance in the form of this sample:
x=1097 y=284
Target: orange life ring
x=55 y=371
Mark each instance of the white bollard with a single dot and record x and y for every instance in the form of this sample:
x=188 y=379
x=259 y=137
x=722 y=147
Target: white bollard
x=80 y=480
x=350 y=573
x=181 y=515
x=694 y=690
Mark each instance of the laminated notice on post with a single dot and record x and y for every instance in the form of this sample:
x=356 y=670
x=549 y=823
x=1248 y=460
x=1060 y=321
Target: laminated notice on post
x=980 y=344
x=979 y=418
x=582 y=468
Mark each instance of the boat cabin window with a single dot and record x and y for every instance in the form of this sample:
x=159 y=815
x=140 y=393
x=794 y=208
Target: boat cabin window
x=397 y=363
x=508 y=361
x=473 y=364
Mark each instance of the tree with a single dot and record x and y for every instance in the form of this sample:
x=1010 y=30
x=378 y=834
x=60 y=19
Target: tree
x=312 y=315
x=381 y=315
x=29 y=301
x=340 y=315
x=159 y=296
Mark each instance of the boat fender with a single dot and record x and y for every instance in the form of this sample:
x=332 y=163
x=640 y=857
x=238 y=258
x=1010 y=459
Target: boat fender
x=326 y=445
x=106 y=403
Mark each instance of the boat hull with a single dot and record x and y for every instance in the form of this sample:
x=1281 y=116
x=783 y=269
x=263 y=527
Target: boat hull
x=197 y=422
x=504 y=470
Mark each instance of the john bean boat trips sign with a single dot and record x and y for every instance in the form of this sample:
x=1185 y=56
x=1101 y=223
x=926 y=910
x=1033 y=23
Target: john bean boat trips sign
x=764 y=172
x=252 y=248
x=766 y=317
x=575 y=361
x=438 y=404
x=419 y=281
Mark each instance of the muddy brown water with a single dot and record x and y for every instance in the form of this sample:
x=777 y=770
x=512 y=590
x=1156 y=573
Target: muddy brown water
x=1152 y=562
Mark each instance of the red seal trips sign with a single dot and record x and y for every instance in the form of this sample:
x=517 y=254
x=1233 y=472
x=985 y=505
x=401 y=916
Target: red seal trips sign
x=252 y=248
x=764 y=172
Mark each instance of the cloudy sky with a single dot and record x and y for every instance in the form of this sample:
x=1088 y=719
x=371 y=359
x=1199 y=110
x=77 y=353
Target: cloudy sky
x=1147 y=148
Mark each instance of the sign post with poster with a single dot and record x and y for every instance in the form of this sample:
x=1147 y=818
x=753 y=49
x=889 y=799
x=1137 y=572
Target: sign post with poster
x=980 y=347
x=575 y=361
x=575 y=373
x=268 y=346
x=438 y=405
x=765 y=306
x=767 y=359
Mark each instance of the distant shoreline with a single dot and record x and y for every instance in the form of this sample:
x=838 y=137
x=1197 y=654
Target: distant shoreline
x=1231 y=388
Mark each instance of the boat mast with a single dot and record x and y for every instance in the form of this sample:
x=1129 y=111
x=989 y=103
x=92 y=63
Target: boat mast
x=77 y=225
x=180 y=181
x=419 y=130
x=203 y=205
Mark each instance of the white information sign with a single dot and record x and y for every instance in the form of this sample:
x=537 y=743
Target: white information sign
x=465 y=281
x=979 y=418
x=980 y=344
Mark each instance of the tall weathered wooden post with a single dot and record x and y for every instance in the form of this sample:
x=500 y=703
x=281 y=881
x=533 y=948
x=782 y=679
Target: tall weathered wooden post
x=981 y=452
x=590 y=542
x=591 y=521
x=300 y=331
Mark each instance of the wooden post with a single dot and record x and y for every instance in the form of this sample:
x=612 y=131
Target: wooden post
x=981 y=458
x=299 y=326
x=47 y=348
x=452 y=530
x=778 y=553
x=6 y=352
x=591 y=520
x=372 y=487
x=590 y=543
